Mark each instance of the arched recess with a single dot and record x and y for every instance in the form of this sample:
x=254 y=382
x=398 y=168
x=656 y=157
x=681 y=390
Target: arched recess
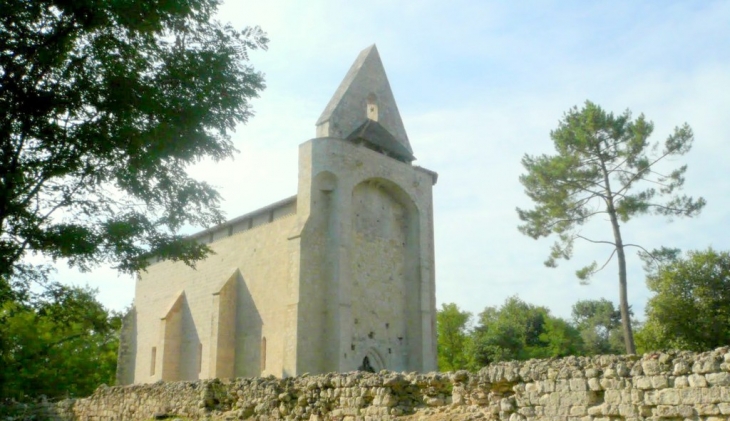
x=384 y=268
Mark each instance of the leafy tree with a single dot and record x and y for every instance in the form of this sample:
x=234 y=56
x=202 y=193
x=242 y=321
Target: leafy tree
x=560 y=339
x=103 y=105
x=62 y=343
x=520 y=331
x=600 y=164
x=599 y=324
x=452 y=328
x=691 y=306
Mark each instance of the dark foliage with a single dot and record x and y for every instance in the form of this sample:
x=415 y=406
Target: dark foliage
x=103 y=105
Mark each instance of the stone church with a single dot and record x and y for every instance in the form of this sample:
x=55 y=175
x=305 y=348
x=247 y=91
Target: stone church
x=339 y=277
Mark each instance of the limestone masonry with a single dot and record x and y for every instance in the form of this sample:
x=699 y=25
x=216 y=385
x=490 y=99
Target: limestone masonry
x=667 y=386
x=336 y=278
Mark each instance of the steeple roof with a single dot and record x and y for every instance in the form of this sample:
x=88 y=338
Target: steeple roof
x=365 y=94
x=379 y=139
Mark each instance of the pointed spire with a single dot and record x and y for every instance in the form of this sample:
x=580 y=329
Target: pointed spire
x=363 y=94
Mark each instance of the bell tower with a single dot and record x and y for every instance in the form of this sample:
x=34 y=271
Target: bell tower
x=367 y=296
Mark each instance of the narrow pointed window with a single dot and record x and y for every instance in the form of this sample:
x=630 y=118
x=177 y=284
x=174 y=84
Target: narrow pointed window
x=200 y=357
x=263 y=353
x=153 y=360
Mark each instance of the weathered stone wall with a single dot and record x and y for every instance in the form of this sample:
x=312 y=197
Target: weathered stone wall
x=675 y=386
x=244 y=288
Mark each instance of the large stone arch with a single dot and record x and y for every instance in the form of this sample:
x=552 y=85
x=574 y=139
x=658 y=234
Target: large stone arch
x=384 y=268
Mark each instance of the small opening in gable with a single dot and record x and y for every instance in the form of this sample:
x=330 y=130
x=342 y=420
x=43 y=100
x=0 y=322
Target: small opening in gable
x=372 y=107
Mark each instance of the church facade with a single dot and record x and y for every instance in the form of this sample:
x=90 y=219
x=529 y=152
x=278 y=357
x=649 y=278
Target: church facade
x=339 y=277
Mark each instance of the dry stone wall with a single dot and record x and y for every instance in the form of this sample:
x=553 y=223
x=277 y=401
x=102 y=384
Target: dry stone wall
x=666 y=386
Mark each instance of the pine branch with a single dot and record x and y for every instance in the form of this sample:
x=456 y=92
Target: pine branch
x=594 y=241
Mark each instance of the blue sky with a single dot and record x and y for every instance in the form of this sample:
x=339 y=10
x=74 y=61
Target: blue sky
x=479 y=84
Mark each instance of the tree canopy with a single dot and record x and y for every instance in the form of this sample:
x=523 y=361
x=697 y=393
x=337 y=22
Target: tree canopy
x=599 y=324
x=452 y=328
x=520 y=331
x=690 y=308
x=60 y=343
x=103 y=105
x=604 y=165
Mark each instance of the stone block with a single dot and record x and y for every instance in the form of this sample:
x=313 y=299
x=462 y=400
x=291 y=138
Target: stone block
x=651 y=367
x=612 y=410
x=643 y=382
x=392 y=400
x=527 y=411
x=659 y=382
x=608 y=384
x=686 y=411
x=667 y=397
x=577 y=398
x=707 y=409
x=681 y=368
x=706 y=365
x=533 y=398
x=627 y=410
x=434 y=401
x=711 y=395
x=666 y=411
x=594 y=384
x=612 y=397
x=622 y=370
x=598 y=410
x=578 y=385
x=645 y=411
x=718 y=379
x=681 y=382
x=516 y=417
x=690 y=396
x=562 y=385
x=591 y=373
x=578 y=410
x=546 y=386
x=506 y=405
x=724 y=407
x=697 y=380
x=637 y=396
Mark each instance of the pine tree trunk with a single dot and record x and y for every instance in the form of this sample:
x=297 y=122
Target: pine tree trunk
x=623 y=293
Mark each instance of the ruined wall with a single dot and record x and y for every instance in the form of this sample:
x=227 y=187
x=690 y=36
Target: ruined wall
x=674 y=386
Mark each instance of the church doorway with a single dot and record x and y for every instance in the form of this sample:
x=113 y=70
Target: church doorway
x=372 y=362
